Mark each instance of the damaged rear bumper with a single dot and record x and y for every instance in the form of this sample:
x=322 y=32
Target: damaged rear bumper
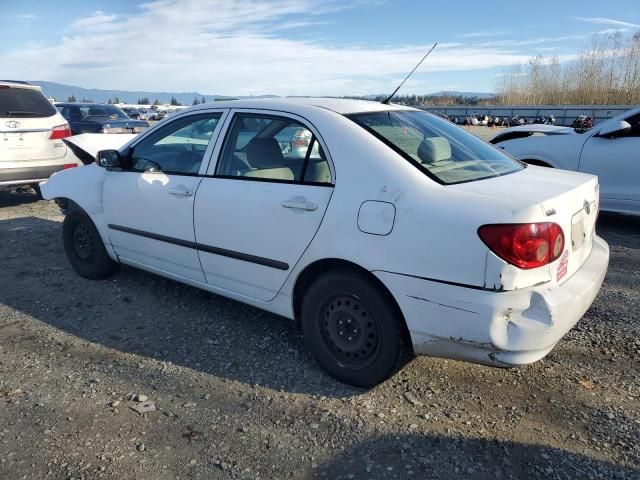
x=496 y=328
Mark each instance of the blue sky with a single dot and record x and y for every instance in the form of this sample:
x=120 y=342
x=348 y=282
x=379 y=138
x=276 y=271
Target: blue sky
x=293 y=47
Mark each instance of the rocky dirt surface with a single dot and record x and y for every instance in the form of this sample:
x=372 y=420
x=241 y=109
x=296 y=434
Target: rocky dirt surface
x=138 y=377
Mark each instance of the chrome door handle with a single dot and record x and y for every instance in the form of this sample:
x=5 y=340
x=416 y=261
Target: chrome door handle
x=180 y=192
x=297 y=205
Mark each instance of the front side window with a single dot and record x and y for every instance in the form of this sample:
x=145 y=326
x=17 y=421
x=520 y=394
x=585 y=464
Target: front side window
x=179 y=147
x=270 y=147
x=442 y=150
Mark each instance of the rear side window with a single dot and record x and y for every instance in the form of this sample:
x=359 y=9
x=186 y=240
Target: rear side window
x=442 y=150
x=268 y=147
x=24 y=102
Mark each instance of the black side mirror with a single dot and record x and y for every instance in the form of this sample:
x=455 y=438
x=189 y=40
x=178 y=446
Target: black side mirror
x=109 y=159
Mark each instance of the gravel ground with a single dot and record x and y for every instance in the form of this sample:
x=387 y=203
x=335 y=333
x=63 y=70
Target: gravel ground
x=237 y=395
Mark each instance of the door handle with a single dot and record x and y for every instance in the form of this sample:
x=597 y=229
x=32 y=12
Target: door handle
x=180 y=191
x=300 y=205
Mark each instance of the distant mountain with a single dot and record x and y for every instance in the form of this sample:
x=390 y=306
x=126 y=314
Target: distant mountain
x=62 y=92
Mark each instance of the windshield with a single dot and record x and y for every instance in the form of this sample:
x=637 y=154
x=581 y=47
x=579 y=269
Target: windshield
x=101 y=112
x=439 y=148
x=24 y=102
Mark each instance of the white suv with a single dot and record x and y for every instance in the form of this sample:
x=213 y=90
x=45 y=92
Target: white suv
x=31 y=133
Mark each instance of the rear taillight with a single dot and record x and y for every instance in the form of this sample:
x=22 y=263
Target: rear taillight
x=69 y=165
x=301 y=138
x=525 y=245
x=60 y=132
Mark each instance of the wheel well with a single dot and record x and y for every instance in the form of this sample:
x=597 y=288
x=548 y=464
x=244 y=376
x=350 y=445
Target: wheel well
x=314 y=270
x=539 y=163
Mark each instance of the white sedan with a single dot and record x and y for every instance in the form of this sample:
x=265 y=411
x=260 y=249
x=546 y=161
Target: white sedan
x=610 y=150
x=392 y=231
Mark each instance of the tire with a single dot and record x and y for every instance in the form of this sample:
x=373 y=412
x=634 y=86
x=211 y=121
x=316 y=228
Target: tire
x=352 y=328
x=36 y=188
x=84 y=247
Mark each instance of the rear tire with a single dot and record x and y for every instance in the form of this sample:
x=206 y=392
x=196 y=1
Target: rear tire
x=352 y=328
x=84 y=247
x=36 y=188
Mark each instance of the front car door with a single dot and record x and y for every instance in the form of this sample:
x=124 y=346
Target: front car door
x=149 y=205
x=259 y=209
x=616 y=162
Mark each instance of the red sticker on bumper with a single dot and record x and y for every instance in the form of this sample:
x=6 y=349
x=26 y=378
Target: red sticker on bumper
x=563 y=266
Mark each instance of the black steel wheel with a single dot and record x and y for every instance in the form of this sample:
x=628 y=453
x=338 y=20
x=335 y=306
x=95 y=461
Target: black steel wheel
x=84 y=247
x=353 y=328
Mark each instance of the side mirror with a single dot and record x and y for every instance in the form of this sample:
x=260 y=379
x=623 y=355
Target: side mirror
x=611 y=129
x=109 y=159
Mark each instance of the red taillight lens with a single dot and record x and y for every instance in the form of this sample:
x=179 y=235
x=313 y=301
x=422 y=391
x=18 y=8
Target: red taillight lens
x=301 y=138
x=525 y=245
x=69 y=165
x=59 y=132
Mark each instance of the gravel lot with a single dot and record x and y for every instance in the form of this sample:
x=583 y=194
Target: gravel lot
x=237 y=395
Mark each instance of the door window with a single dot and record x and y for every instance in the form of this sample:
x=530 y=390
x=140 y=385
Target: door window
x=177 y=148
x=268 y=147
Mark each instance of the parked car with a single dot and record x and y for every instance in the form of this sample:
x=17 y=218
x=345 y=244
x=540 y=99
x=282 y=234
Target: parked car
x=399 y=231
x=99 y=118
x=609 y=150
x=582 y=122
x=31 y=133
x=132 y=113
x=143 y=114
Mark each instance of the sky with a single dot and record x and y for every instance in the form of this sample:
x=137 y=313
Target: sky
x=294 y=47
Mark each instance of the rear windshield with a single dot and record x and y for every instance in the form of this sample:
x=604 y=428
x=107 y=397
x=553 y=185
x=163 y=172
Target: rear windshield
x=24 y=102
x=102 y=112
x=437 y=147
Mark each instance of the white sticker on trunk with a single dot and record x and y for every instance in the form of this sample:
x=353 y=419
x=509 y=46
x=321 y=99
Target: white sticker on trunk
x=563 y=266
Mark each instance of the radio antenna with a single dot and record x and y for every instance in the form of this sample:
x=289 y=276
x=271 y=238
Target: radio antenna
x=388 y=99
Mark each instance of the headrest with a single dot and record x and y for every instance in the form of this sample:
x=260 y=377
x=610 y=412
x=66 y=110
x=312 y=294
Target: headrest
x=434 y=149
x=264 y=153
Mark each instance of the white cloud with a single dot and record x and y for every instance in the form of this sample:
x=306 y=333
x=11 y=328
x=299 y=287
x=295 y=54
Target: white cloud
x=236 y=47
x=607 y=21
x=27 y=16
x=488 y=33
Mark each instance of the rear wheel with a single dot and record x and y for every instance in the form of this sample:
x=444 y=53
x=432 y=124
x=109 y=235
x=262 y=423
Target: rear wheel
x=352 y=328
x=84 y=247
x=36 y=188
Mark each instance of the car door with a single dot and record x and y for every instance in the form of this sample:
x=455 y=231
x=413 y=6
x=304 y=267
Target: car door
x=616 y=161
x=149 y=205
x=259 y=209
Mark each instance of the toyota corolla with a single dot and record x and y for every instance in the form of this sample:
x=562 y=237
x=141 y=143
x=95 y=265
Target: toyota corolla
x=391 y=231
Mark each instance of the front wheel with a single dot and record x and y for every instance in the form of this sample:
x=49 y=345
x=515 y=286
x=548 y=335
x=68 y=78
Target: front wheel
x=84 y=247
x=352 y=328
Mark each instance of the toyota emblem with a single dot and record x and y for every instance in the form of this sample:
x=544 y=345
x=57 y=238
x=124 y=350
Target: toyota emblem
x=587 y=207
x=12 y=124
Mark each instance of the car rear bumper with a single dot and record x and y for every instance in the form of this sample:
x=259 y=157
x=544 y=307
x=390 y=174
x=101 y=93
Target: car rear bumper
x=491 y=327
x=27 y=175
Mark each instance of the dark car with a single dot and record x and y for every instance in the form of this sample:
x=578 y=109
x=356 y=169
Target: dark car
x=132 y=113
x=99 y=118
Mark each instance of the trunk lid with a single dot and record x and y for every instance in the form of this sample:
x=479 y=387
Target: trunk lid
x=27 y=139
x=569 y=199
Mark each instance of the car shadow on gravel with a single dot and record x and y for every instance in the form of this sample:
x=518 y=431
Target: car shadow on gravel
x=619 y=230
x=147 y=315
x=12 y=199
x=446 y=457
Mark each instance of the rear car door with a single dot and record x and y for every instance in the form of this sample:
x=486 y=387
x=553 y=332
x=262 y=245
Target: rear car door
x=616 y=162
x=259 y=209
x=149 y=205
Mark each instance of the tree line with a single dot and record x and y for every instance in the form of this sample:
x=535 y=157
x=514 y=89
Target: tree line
x=607 y=72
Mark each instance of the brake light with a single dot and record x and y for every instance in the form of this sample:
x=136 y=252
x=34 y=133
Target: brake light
x=301 y=138
x=59 y=132
x=525 y=245
x=69 y=165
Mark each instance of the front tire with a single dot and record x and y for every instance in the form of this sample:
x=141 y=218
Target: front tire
x=352 y=328
x=84 y=247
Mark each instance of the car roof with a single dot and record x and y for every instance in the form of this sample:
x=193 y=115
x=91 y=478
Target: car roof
x=299 y=105
x=19 y=84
